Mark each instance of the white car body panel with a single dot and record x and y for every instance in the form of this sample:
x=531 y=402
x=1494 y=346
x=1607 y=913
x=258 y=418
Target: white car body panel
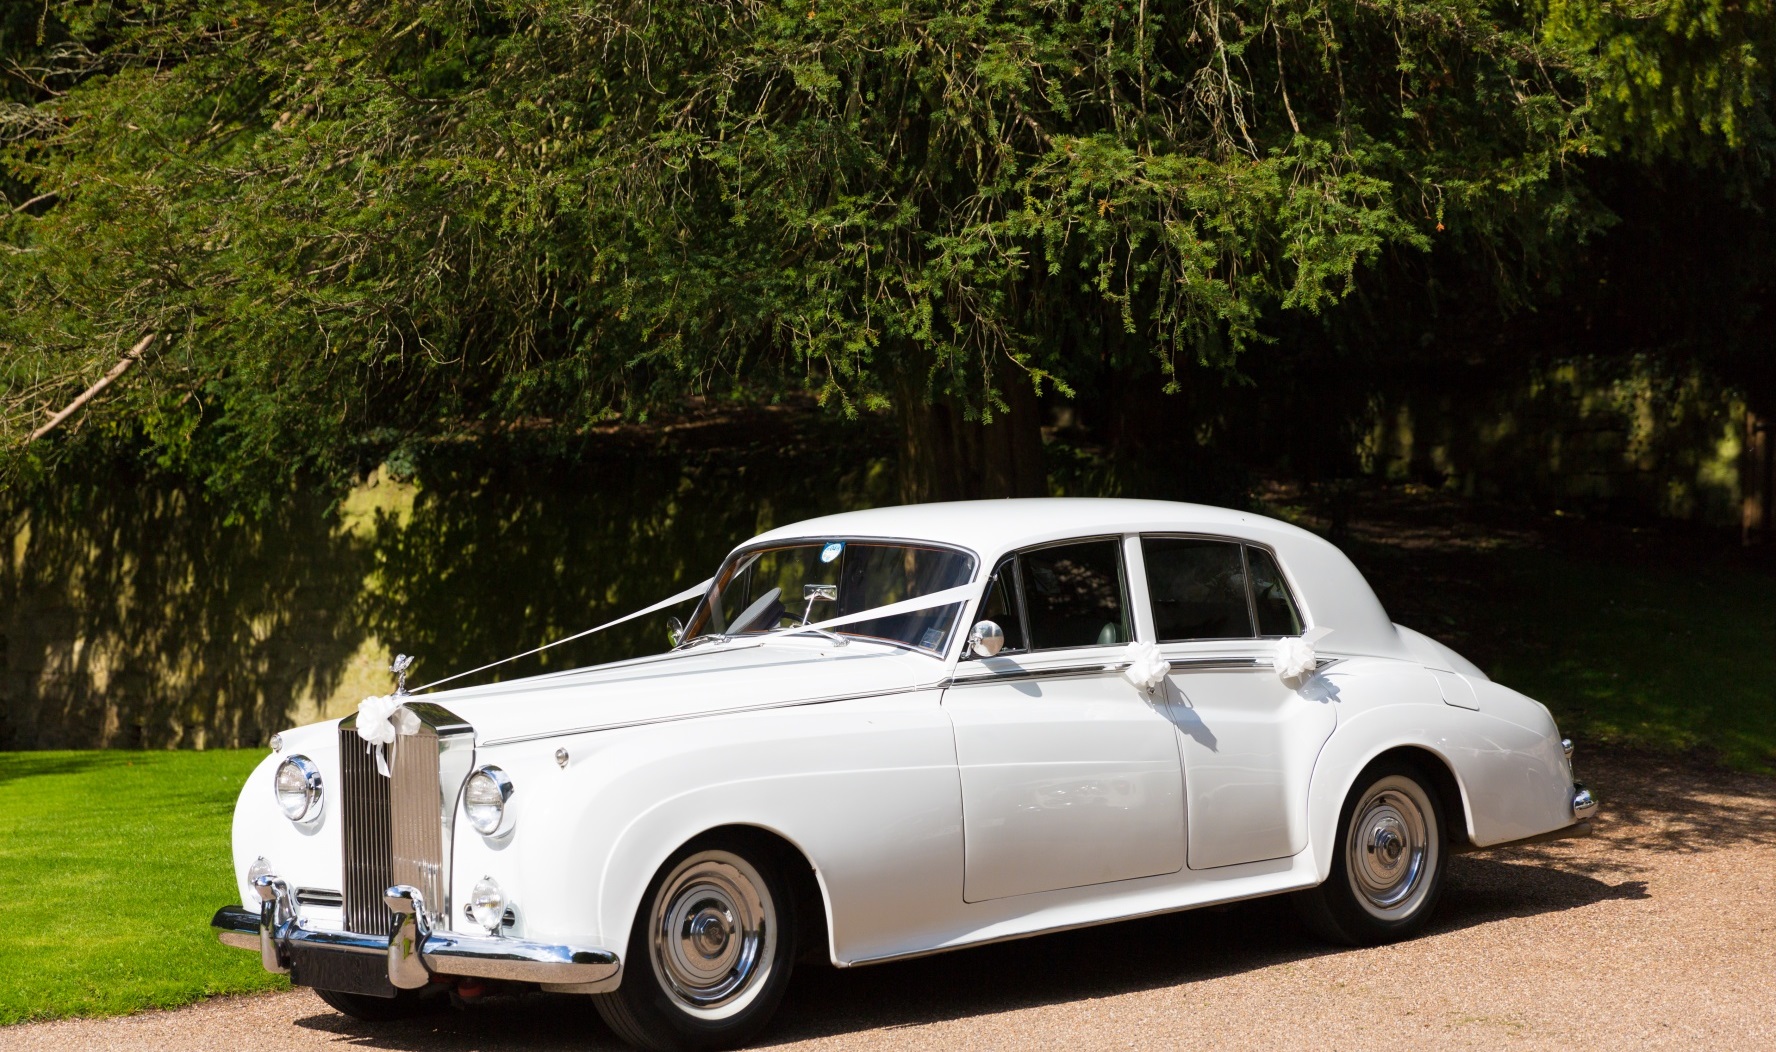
x=941 y=801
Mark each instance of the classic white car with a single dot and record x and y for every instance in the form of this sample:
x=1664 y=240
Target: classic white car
x=889 y=733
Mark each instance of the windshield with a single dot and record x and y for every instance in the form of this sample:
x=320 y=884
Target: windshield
x=806 y=582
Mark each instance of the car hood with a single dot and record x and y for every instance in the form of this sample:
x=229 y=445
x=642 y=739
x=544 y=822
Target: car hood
x=704 y=681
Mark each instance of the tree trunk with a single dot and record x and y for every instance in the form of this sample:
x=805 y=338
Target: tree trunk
x=945 y=456
x=1757 y=481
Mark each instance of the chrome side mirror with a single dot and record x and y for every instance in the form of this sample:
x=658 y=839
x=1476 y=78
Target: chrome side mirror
x=986 y=639
x=675 y=630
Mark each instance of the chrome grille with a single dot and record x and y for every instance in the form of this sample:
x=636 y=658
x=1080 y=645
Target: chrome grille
x=398 y=830
x=414 y=799
x=364 y=826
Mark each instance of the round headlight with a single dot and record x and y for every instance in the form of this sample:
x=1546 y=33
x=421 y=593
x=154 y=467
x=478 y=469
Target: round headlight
x=298 y=786
x=484 y=801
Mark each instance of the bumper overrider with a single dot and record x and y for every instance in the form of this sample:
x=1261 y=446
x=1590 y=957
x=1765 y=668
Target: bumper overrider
x=414 y=954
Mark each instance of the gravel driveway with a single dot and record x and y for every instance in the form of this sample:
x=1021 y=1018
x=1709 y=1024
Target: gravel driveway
x=1659 y=932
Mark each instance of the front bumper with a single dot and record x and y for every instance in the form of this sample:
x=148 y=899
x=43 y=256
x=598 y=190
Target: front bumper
x=413 y=952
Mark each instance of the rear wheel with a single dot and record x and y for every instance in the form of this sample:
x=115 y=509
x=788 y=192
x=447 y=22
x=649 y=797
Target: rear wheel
x=711 y=951
x=1387 y=868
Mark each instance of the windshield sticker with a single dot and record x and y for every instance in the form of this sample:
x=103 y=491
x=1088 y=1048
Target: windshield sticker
x=832 y=551
x=931 y=639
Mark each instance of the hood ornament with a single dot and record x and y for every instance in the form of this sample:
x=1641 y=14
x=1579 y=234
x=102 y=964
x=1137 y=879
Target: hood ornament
x=399 y=667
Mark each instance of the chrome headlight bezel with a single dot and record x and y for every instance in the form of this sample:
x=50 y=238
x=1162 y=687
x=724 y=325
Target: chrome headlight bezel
x=302 y=801
x=487 y=809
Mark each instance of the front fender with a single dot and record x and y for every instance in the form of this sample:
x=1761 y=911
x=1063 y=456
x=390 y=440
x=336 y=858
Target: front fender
x=867 y=791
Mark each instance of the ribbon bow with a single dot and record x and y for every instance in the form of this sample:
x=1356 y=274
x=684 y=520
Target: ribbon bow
x=376 y=726
x=1147 y=667
x=1294 y=657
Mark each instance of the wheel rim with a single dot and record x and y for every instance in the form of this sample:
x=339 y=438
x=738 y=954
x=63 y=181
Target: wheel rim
x=1391 y=849
x=714 y=933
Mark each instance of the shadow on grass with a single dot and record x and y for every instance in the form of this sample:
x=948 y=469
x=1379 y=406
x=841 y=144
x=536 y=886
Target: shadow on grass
x=16 y=766
x=1107 y=961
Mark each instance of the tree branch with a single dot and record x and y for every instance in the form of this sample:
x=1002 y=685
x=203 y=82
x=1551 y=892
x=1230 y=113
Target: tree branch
x=129 y=359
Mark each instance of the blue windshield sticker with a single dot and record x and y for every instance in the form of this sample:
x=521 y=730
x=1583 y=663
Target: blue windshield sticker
x=832 y=551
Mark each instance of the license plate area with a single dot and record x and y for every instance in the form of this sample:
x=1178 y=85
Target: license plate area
x=350 y=973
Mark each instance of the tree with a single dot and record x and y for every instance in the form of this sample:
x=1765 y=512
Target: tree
x=358 y=224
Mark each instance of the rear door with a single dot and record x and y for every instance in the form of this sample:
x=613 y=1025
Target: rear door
x=1248 y=740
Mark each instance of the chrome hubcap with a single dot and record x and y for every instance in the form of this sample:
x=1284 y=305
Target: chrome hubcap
x=714 y=930
x=1389 y=851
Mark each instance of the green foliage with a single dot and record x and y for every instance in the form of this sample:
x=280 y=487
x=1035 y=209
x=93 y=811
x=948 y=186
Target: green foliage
x=1684 y=78
x=431 y=217
x=111 y=865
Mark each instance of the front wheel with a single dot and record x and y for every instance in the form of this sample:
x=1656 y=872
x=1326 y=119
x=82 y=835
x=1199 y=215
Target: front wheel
x=1387 y=867
x=711 y=952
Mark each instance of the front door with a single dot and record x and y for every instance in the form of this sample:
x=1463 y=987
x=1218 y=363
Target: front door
x=1070 y=775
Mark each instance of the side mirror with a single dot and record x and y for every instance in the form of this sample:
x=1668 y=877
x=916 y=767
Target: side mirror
x=675 y=630
x=986 y=639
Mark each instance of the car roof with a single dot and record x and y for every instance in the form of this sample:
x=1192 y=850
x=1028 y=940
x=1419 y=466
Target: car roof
x=1331 y=590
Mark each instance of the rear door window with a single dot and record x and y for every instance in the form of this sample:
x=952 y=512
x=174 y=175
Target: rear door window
x=1198 y=589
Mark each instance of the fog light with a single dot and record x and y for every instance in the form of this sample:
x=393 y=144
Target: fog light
x=487 y=904
x=259 y=868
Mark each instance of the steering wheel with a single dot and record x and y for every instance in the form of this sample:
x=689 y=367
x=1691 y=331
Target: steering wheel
x=764 y=602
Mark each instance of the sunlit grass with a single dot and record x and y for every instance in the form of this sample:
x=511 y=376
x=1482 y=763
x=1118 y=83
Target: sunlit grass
x=111 y=865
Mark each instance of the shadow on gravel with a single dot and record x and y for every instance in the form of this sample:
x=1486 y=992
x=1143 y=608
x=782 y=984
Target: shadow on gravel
x=1131 y=956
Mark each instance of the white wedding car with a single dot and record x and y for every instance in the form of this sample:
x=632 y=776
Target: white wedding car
x=889 y=733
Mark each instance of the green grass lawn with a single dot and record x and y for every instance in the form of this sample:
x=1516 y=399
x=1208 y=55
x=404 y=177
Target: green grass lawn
x=111 y=865
x=1661 y=658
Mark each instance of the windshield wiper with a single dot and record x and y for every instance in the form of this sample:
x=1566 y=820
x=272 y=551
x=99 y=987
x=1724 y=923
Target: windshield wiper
x=805 y=630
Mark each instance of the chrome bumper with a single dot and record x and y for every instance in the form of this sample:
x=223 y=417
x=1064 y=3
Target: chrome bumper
x=414 y=952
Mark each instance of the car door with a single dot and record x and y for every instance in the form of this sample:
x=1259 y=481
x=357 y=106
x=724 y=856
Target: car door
x=1070 y=775
x=1248 y=739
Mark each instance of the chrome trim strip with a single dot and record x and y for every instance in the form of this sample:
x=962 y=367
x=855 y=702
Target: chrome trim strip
x=1220 y=664
x=1099 y=668
x=735 y=710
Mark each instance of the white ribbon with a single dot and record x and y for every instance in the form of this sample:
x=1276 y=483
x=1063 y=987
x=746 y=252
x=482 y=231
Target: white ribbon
x=376 y=725
x=1147 y=668
x=958 y=594
x=1294 y=656
x=689 y=593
